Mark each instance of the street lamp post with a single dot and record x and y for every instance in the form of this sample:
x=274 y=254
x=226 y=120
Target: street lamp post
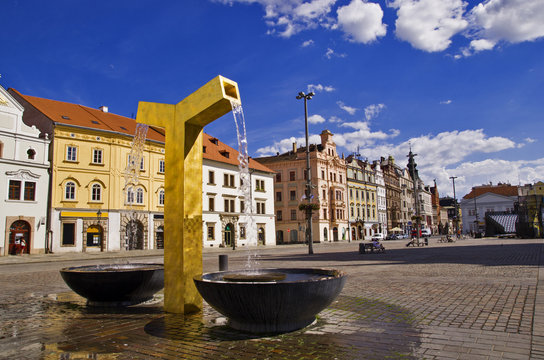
x=309 y=234
x=100 y=232
x=456 y=207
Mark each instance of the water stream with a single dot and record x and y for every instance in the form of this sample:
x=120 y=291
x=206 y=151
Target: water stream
x=245 y=179
x=132 y=175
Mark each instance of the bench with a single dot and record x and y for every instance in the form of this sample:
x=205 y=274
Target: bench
x=369 y=247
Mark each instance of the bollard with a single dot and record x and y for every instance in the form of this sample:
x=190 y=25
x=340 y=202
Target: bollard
x=426 y=241
x=223 y=262
x=361 y=248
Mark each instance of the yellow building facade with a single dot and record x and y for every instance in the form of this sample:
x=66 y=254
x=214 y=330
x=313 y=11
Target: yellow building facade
x=91 y=208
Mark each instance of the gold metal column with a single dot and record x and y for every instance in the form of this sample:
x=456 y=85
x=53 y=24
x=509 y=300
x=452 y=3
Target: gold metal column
x=183 y=124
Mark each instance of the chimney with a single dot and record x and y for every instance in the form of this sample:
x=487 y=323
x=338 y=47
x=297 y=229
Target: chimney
x=103 y=108
x=294 y=148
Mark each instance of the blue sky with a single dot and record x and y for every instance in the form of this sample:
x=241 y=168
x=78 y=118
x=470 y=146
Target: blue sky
x=461 y=81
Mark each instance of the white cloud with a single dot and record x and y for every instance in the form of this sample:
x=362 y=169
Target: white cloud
x=482 y=44
x=445 y=102
x=429 y=25
x=513 y=21
x=289 y=17
x=350 y=110
x=330 y=53
x=320 y=88
x=316 y=119
x=361 y=21
x=529 y=140
x=307 y=43
x=335 y=120
x=371 y=111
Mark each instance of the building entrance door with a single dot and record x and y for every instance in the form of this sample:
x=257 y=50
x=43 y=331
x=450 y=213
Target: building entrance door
x=19 y=238
x=229 y=235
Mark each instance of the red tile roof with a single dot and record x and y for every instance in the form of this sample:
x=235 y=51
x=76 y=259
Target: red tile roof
x=501 y=189
x=217 y=151
x=78 y=115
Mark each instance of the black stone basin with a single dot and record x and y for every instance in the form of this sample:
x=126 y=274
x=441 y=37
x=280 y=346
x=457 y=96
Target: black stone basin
x=271 y=306
x=115 y=284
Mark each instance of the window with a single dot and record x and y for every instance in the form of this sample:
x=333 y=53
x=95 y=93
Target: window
x=139 y=196
x=323 y=175
x=324 y=195
x=31 y=154
x=352 y=212
x=259 y=185
x=278 y=177
x=70 y=191
x=291 y=176
x=351 y=193
x=242 y=231
x=96 y=192
x=211 y=177
x=14 y=190
x=68 y=234
x=357 y=194
x=260 y=207
x=278 y=195
x=211 y=203
x=71 y=153
x=292 y=195
x=130 y=196
x=30 y=191
x=340 y=179
x=243 y=206
x=325 y=214
x=97 y=156
x=279 y=215
x=211 y=231
x=229 y=205
x=161 y=166
x=228 y=180
x=334 y=177
x=161 y=197
x=293 y=214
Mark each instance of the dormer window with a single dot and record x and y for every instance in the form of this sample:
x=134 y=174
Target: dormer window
x=214 y=141
x=31 y=154
x=65 y=117
x=225 y=153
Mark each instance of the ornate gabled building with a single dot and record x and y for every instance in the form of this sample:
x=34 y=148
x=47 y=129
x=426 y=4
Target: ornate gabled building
x=24 y=181
x=328 y=175
x=381 y=200
x=393 y=192
x=362 y=199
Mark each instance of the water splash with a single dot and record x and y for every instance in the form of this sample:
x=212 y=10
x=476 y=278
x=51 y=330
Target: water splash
x=245 y=179
x=132 y=175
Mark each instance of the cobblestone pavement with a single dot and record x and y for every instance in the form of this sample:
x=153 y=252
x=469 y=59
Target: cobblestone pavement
x=474 y=299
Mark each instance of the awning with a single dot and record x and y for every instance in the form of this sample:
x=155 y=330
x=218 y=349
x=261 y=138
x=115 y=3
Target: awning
x=396 y=229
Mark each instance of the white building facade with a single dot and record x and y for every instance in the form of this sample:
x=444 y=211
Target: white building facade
x=24 y=182
x=224 y=221
x=381 y=199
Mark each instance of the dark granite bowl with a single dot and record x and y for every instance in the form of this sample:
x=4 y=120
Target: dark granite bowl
x=271 y=306
x=115 y=284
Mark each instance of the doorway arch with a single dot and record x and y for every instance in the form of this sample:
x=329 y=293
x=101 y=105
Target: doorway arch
x=261 y=236
x=95 y=236
x=228 y=237
x=19 y=238
x=135 y=235
x=335 y=234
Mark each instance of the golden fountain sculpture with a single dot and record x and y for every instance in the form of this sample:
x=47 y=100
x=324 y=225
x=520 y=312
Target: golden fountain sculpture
x=183 y=124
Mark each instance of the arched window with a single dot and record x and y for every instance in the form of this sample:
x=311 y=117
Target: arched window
x=31 y=153
x=139 y=196
x=70 y=191
x=161 y=197
x=96 y=192
x=130 y=195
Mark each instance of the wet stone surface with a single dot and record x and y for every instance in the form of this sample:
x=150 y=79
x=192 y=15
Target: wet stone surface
x=474 y=300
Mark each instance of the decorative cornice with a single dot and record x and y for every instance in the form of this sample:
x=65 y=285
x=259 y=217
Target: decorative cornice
x=22 y=174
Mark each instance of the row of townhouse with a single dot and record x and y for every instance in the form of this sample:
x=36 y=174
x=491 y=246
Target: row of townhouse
x=356 y=198
x=63 y=171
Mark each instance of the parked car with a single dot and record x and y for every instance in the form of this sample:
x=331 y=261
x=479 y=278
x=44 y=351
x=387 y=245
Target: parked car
x=426 y=232
x=377 y=236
